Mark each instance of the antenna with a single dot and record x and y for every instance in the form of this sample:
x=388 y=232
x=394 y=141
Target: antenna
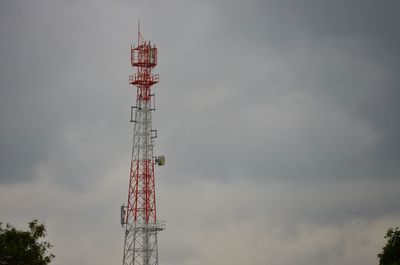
x=138 y=30
x=139 y=216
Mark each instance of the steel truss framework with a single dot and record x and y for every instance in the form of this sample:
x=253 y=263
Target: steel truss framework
x=139 y=217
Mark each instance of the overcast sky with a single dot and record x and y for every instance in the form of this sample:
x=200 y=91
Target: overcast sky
x=280 y=122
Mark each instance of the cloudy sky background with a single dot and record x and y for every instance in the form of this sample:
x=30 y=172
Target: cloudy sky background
x=279 y=120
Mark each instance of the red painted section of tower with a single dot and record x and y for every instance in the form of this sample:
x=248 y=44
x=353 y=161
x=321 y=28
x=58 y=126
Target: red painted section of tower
x=144 y=58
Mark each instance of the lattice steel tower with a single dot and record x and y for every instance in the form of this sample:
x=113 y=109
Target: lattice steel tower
x=139 y=216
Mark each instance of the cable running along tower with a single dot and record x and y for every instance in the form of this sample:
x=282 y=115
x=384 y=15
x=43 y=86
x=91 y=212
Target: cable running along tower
x=139 y=216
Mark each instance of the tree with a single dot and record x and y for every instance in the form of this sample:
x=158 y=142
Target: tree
x=391 y=251
x=19 y=247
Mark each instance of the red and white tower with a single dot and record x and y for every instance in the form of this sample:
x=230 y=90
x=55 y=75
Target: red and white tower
x=139 y=216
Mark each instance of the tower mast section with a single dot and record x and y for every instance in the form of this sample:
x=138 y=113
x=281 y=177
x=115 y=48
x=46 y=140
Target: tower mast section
x=139 y=217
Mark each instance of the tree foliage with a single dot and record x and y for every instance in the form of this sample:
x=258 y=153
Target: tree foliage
x=19 y=247
x=391 y=251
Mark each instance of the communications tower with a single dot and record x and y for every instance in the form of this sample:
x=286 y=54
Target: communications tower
x=139 y=216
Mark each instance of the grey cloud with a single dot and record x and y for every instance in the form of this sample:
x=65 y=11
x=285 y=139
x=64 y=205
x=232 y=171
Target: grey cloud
x=276 y=117
x=337 y=73
x=52 y=83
